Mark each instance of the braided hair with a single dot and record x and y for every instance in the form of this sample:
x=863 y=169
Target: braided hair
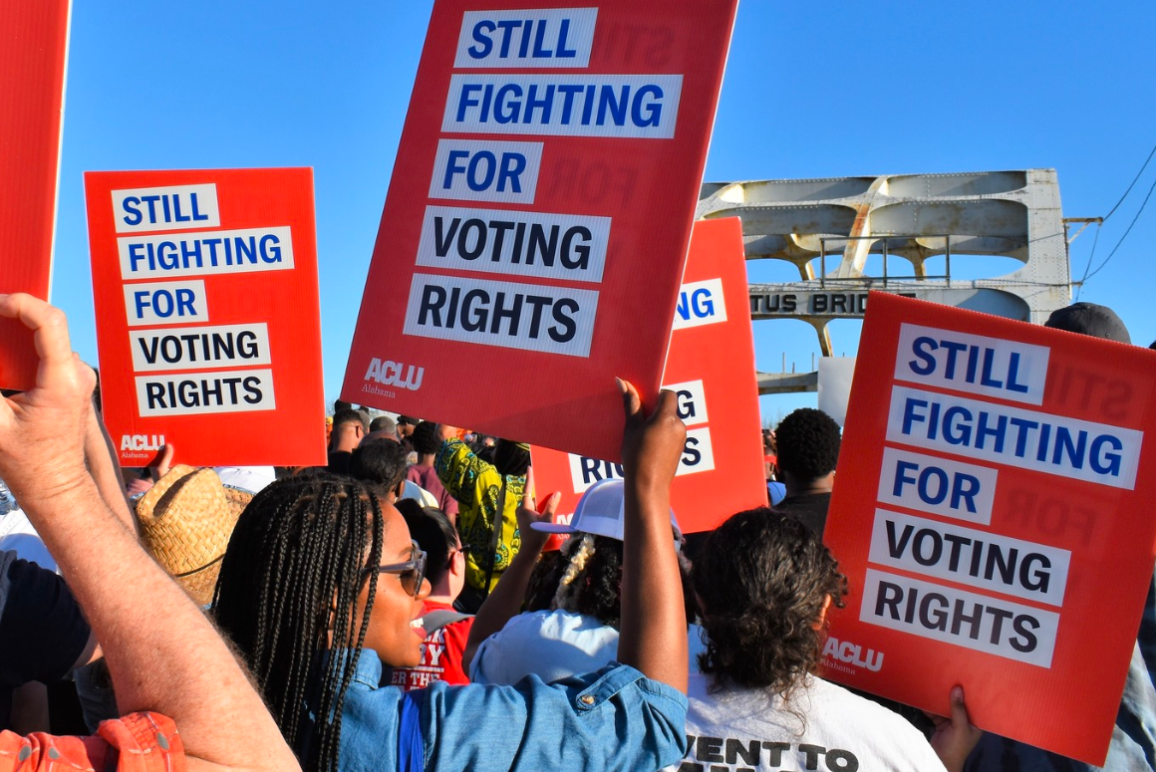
x=288 y=595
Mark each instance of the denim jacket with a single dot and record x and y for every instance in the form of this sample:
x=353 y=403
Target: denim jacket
x=613 y=719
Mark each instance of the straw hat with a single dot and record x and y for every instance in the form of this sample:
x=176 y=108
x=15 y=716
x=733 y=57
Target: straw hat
x=186 y=520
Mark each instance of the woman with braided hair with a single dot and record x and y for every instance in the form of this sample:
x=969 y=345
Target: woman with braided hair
x=764 y=584
x=321 y=585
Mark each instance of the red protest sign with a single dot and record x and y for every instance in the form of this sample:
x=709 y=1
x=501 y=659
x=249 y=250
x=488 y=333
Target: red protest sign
x=711 y=368
x=993 y=514
x=33 y=52
x=537 y=221
x=207 y=314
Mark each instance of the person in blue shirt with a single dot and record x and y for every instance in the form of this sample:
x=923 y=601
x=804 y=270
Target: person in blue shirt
x=319 y=590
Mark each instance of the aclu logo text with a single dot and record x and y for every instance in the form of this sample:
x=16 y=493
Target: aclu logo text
x=141 y=441
x=390 y=373
x=853 y=654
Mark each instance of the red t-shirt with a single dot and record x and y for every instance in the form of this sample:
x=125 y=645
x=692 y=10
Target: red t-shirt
x=441 y=654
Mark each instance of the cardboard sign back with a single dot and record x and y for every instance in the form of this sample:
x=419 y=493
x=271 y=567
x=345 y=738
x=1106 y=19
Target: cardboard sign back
x=33 y=56
x=711 y=368
x=993 y=513
x=208 y=315
x=537 y=221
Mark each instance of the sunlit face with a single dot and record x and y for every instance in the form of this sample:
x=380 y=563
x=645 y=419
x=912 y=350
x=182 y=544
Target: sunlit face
x=391 y=634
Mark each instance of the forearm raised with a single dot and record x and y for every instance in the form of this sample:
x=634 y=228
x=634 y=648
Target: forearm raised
x=653 y=629
x=163 y=654
x=505 y=601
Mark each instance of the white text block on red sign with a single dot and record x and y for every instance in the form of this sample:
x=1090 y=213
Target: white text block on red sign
x=538 y=215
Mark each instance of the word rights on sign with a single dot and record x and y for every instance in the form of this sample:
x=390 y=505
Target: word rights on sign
x=158 y=305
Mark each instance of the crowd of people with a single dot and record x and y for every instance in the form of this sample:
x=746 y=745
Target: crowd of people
x=416 y=604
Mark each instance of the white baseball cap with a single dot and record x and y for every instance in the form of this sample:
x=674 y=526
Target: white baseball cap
x=601 y=511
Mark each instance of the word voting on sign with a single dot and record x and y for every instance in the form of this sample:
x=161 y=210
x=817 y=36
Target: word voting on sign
x=995 y=521
x=711 y=370
x=207 y=315
x=539 y=214
x=34 y=35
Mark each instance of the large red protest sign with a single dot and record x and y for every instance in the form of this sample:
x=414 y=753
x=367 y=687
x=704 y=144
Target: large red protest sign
x=536 y=226
x=993 y=513
x=207 y=314
x=33 y=53
x=711 y=369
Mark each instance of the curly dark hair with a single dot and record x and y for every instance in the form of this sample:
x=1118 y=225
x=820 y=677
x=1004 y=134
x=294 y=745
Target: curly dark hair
x=599 y=584
x=808 y=443
x=763 y=578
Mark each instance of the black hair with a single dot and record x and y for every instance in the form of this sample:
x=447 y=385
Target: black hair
x=380 y=461
x=763 y=578
x=425 y=439
x=289 y=584
x=808 y=444
x=348 y=416
x=596 y=590
x=434 y=533
x=510 y=458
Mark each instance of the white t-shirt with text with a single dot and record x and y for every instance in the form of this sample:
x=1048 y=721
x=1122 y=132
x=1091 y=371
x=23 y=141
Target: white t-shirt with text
x=737 y=729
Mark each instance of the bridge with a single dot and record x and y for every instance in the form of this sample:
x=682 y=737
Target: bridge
x=838 y=222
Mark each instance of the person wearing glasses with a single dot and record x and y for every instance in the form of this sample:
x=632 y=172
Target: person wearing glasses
x=321 y=589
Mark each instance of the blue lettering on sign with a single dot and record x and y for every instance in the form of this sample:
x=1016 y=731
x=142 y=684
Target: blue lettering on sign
x=968 y=363
x=484 y=170
x=164 y=303
x=165 y=208
x=528 y=38
x=934 y=485
x=700 y=303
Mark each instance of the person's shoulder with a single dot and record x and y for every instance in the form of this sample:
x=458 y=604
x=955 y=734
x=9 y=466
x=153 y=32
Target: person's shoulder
x=881 y=726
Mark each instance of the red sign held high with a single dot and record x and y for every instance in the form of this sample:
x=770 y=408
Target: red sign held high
x=539 y=214
x=207 y=315
x=993 y=513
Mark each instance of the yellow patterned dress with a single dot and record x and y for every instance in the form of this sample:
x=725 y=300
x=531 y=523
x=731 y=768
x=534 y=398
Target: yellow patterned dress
x=477 y=486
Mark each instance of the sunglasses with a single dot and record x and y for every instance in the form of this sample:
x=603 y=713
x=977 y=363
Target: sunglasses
x=411 y=572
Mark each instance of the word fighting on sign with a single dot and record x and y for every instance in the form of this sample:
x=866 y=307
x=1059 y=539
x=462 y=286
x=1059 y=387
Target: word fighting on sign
x=541 y=138
x=32 y=70
x=968 y=434
x=710 y=369
x=206 y=311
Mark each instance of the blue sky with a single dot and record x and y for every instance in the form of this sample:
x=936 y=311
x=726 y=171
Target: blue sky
x=811 y=90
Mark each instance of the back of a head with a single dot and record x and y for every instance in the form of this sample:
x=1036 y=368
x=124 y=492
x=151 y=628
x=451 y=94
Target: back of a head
x=424 y=438
x=383 y=423
x=381 y=462
x=289 y=583
x=511 y=458
x=589 y=580
x=807 y=441
x=342 y=417
x=763 y=578
x=1090 y=319
x=434 y=533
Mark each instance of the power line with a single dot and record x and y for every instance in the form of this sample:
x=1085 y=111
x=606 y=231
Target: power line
x=1134 y=181
x=1091 y=257
x=1121 y=241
